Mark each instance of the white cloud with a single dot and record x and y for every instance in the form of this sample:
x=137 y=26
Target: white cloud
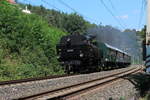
x=123 y=17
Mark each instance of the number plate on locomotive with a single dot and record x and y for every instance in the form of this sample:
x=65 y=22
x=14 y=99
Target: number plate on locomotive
x=70 y=50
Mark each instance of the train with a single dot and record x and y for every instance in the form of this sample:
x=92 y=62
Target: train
x=79 y=53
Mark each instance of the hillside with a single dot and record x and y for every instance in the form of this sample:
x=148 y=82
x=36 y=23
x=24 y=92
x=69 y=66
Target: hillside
x=27 y=44
x=71 y=23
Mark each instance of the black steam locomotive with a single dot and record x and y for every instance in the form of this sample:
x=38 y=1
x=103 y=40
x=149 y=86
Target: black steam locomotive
x=81 y=53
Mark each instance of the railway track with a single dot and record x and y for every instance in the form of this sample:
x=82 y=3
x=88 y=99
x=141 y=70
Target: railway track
x=65 y=92
x=33 y=79
x=55 y=87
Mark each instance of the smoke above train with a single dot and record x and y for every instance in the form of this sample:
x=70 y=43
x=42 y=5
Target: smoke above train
x=126 y=41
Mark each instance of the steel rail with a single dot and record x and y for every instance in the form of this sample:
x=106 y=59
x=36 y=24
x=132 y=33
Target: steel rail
x=33 y=79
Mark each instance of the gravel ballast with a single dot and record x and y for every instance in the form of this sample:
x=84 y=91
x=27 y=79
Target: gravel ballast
x=9 y=92
x=121 y=89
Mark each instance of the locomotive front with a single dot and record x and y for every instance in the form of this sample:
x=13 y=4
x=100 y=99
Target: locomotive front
x=75 y=53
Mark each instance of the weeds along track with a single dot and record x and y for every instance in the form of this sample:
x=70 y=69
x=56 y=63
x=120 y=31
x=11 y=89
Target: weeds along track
x=57 y=87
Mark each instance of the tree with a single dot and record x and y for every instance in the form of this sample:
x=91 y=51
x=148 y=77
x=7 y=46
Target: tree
x=70 y=23
x=142 y=33
x=75 y=24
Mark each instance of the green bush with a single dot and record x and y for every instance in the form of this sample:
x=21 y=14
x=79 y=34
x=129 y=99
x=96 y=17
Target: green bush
x=28 y=41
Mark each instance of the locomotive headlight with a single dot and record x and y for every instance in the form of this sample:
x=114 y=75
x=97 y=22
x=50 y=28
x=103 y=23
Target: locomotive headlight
x=106 y=59
x=58 y=57
x=59 y=50
x=81 y=54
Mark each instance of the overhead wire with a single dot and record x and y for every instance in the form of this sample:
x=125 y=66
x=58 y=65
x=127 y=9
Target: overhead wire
x=112 y=5
x=50 y=4
x=141 y=12
x=65 y=4
x=118 y=21
x=74 y=10
x=145 y=3
x=115 y=10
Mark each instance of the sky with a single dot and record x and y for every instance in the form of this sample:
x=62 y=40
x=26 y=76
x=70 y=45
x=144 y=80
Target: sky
x=121 y=14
